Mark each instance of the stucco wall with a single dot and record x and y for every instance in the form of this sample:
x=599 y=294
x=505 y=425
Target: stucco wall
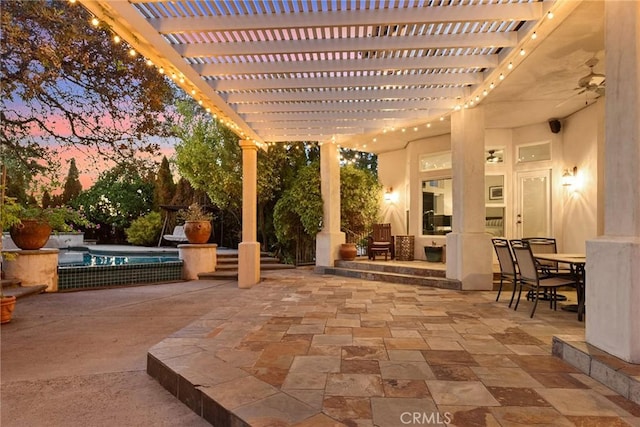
x=580 y=205
x=574 y=213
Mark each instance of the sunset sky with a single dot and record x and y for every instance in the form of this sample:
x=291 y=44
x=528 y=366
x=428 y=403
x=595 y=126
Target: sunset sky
x=90 y=167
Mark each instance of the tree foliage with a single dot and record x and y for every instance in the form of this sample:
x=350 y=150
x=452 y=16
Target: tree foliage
x=208 y=155
x=72 y=185
x=145 y=230
x=300 y=207
x=164 y=187
x=119 y=196
x=360 y=199
x=66 y=82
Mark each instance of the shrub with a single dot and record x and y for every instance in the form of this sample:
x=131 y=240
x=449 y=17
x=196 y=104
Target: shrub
x=145 y=231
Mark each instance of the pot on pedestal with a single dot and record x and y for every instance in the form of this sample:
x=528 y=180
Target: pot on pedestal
x=197 y=232
x=30 y=234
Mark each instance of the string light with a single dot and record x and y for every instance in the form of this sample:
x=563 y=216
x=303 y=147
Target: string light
x=442 y=119
x=550 y=15
x=132 y=52
x=485 y=92
x=501 y=76
x=149 y=62
x=117 y=39
x=522 y=52
x=534 y=36
x=510 y=66
x=95 y=22
x=161 y=70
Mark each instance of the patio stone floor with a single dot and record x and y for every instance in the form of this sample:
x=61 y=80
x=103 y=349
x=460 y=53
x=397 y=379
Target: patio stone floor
x=306 y=349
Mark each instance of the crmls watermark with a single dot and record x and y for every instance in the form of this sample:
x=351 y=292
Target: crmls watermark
x=428 y=418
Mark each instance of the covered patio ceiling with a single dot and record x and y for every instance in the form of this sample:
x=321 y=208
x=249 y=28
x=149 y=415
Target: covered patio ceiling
x=356 y=72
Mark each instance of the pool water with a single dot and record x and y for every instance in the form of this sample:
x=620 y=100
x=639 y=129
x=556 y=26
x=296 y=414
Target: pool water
x=76 y=259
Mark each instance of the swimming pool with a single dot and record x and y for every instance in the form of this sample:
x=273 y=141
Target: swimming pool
x=87 y=269
x=75 y=259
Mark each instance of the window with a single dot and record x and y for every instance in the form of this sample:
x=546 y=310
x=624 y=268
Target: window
x=435 y=161
x=534 y=153
x=437 y=206
x=494 y=199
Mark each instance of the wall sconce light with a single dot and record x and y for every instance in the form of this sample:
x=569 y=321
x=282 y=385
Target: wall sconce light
x=388 y=195
x=569 y=176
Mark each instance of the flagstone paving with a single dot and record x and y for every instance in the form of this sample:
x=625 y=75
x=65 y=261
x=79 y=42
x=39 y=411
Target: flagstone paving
x=313 y=350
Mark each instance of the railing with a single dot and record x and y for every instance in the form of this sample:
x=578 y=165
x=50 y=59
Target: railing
x=305 y=249
x=361 y=240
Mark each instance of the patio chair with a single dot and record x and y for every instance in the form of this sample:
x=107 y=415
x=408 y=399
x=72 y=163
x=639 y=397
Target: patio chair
x=530 y=276
x=177 y=235
x=547 y=245
x=507 y=266
x=380 y=241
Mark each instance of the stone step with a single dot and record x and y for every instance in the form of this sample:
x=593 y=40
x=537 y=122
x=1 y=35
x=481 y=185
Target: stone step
x=13 y=287
x=406 y=279
x=422 y=270
x=234 y=260
x=230 y=271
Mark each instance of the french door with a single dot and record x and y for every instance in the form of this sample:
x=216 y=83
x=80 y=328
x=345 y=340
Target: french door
x=533 y=204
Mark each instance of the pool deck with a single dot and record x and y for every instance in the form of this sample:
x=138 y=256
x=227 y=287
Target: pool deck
x=139 y=250
x=299 y=349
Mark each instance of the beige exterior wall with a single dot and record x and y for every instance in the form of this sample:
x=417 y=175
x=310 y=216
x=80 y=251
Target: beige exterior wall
x=574 y=213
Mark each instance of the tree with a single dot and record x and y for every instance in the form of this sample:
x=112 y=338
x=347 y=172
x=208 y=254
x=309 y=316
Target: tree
x=72 y=185
x=46 y=200
x=67 y=82
x=164 y=187
x=360 y=199
x=119 y=196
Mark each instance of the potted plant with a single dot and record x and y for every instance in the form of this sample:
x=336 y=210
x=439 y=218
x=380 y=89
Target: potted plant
x=36 y=224
x=197 y=223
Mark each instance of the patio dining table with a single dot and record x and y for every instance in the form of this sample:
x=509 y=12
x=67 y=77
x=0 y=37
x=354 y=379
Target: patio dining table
x=576 y=262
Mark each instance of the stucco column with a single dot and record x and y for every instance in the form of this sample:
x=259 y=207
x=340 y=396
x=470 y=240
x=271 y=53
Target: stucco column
x=469 y=257
x=328 y=241
x=613 y=260
x=249 y=248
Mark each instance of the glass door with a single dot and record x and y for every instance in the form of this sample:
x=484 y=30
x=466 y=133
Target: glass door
x=533 y=207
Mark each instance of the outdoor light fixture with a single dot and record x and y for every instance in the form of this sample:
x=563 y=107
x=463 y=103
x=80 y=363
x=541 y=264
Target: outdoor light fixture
x=569 y=176
x=388 y=195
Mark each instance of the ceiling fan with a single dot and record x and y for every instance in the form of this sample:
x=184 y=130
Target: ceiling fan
x=492 y=158
x=592 y=82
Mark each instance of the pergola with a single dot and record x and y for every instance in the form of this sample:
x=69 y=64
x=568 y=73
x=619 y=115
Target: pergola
x=355 y=72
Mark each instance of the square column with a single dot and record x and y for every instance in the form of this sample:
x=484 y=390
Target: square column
x=613 y=260
x=249 y=248
x=328 y=241
x=469 y=256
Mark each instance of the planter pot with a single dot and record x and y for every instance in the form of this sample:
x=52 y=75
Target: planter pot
x=7 y=305
x=434 y=253
x=197 y=231
x=30 y=234
x=348 y=251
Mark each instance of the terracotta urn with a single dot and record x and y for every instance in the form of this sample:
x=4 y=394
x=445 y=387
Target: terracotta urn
x=30 y=234
x=7 y=305
x=197 y=232
x=348 y=251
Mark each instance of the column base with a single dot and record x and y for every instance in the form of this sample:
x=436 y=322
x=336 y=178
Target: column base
x=469 y=260
x=613 y=296
x=33 y=267
x=248 y=264
x=197 y=259
x=327 y=248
